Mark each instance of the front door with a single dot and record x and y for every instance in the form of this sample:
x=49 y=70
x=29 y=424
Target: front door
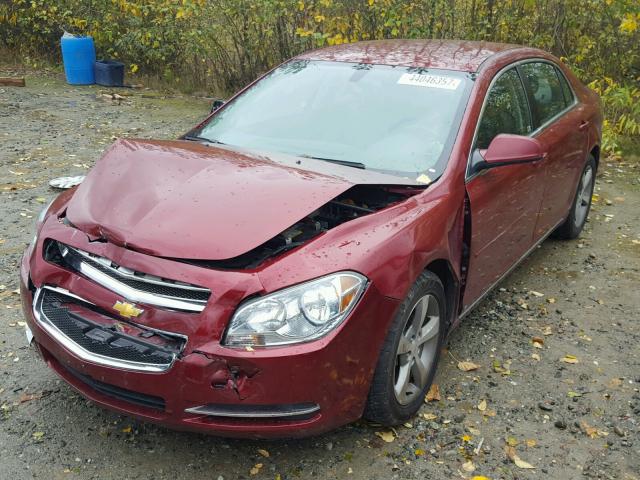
x=504 y=201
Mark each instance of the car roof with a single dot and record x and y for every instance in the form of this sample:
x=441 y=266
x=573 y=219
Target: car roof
x=462 y=55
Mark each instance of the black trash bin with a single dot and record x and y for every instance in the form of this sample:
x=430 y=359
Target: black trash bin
x=109 y=73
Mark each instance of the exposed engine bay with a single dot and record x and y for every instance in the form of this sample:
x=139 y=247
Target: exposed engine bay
x=356 y=202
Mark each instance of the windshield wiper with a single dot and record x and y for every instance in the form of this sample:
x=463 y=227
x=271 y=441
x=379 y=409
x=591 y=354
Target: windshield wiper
x=196 y=138
x=346 y=163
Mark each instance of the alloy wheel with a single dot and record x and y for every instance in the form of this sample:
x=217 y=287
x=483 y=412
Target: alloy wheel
x=584 y=196
x=417 y=349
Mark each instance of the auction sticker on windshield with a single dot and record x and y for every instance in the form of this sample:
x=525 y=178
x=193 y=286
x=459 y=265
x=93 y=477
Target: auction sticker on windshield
x=428 y=80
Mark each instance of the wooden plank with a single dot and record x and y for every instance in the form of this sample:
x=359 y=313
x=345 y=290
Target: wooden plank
x=12 y=81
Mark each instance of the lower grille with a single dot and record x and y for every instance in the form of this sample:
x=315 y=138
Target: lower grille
x=119 y=393
x=95 y=336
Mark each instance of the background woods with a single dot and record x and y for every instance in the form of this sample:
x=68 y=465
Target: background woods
x=220 y=45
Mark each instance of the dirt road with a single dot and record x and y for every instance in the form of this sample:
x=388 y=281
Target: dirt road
x=558 y=345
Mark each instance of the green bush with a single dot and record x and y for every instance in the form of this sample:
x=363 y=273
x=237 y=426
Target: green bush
x=220 y=45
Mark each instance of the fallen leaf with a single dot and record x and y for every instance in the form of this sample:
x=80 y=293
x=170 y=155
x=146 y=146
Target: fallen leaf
x=387 y=436
x=538 y=342
x=500 y=369
x=27 y=397
x=512 y=442
x=536 y=294
x=615 y=382
x=256 y=469
x=468 y=366
x=433 y=395
x=429 y=416
x=482 y=406
x=535 y=356
x=126 y=429
x=419 y=452
x=522 y=464
x=37 y=435
x=569 y=359
x=513 y=456
x=531 y=443
x=573 y=394
x=547 y=330
x=468 y=466
x=480 y=477
x=466 y=438
x=551 y=300
x=263 y=452
x=584 y=337
x=588 y=429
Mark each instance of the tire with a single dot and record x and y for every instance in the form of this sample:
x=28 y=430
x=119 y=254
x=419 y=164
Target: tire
x=388 y=404
x=574 y=223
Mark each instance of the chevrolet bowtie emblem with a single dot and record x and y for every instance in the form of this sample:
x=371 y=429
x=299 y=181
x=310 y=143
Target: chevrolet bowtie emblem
x=127 y=310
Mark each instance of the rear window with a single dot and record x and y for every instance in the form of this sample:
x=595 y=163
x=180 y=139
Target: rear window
x=545 y=90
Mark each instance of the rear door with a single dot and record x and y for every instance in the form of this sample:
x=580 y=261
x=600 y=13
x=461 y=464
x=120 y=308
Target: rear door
x=504 y=201
x=560 y=127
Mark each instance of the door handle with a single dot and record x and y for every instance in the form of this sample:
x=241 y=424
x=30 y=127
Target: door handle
x=583 y=125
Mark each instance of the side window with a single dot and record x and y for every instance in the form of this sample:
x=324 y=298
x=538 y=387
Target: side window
x=566 y=89
x=544 y=90
x=506 y=110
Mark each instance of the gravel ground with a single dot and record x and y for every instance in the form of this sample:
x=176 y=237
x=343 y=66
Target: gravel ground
x=523 y=404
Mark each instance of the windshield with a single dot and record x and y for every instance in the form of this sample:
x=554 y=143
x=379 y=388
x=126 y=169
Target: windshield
x=396 y=120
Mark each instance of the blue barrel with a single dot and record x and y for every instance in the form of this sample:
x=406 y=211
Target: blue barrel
x=78 y=57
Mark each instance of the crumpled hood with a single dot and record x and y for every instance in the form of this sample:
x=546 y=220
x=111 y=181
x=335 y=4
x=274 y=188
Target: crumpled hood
x=184 y=199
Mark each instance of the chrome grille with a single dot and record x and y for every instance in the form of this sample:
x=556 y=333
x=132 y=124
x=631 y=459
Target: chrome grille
x=133 y=285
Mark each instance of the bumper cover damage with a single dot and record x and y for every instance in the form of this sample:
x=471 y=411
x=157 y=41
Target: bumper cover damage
x=134 y=319
x=282 y=392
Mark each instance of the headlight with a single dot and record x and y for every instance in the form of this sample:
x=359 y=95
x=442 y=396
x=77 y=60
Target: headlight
x=298 y=314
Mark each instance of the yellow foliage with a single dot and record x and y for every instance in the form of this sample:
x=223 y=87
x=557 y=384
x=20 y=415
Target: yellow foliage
x=225 y=44
x=630 y=22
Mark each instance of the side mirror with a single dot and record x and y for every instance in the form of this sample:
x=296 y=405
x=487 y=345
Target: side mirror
x=507 y=149
x=216 y=105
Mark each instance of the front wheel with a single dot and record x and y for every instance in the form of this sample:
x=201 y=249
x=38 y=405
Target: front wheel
x=409 y=355
x=577 y=217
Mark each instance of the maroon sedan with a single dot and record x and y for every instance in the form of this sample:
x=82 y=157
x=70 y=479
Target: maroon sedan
x=296 y=261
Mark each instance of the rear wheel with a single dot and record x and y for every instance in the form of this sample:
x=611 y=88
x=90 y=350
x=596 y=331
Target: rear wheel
x=579 y=212
x=409 y=355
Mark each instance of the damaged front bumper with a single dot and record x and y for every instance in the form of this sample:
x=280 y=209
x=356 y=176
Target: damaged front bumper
x=179 y=374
